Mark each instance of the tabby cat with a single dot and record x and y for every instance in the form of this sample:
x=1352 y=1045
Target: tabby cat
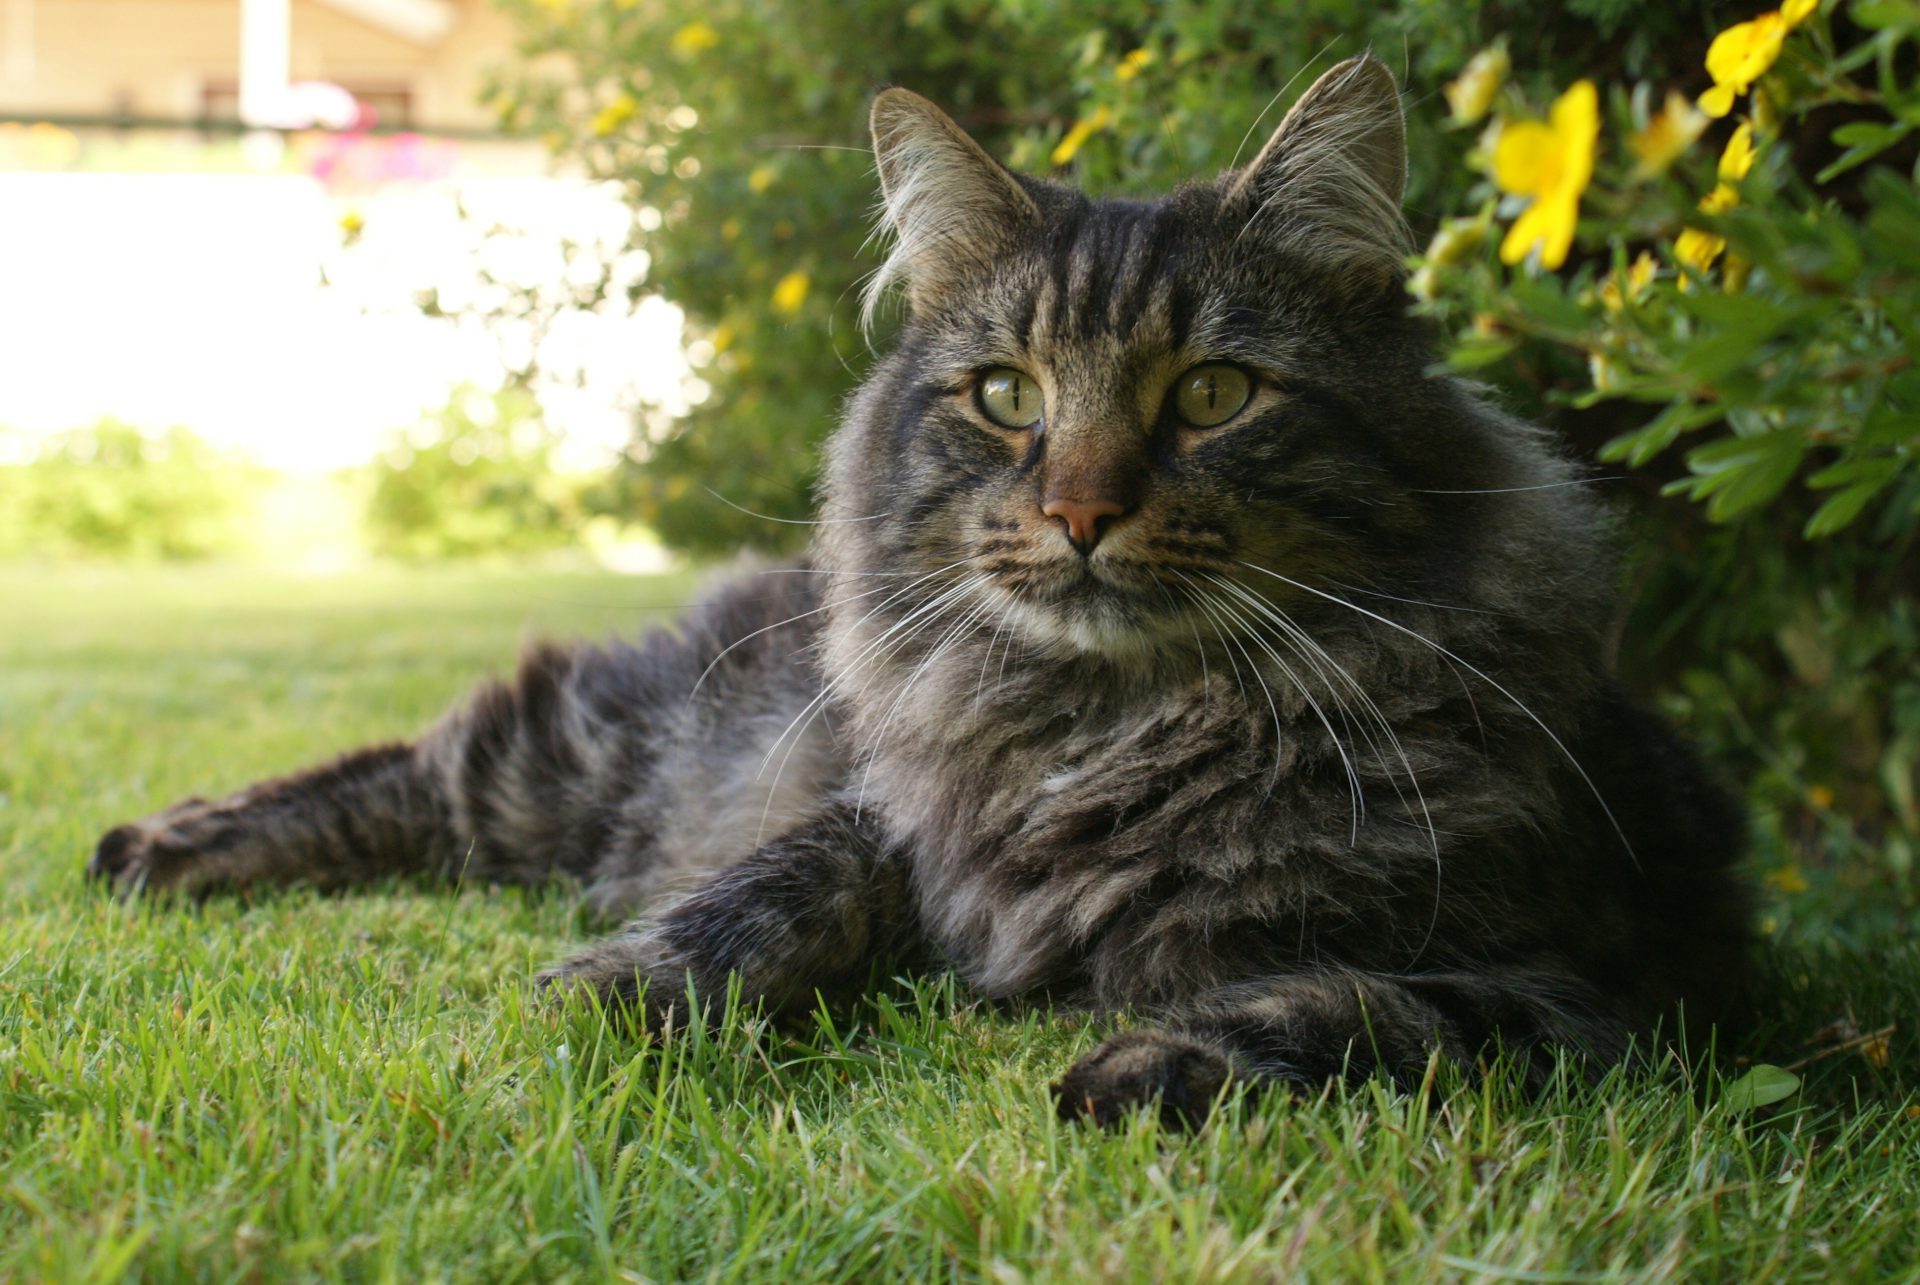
x=1175 y=640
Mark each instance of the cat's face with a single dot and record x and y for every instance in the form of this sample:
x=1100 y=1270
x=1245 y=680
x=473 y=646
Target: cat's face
x=1102 y=416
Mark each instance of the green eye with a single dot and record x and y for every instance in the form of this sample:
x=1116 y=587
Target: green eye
x=1010 y=398
x=1212 y=394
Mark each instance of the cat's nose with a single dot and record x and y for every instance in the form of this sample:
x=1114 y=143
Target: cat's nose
x=1084 y=521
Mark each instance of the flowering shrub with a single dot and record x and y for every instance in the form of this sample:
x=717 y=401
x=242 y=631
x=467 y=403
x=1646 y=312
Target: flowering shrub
x=1761 y=299
x=1684 y=232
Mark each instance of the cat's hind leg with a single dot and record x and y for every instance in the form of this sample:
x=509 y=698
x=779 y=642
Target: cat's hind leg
x=505 y=788
x=1306 y=1029
x=368 y=814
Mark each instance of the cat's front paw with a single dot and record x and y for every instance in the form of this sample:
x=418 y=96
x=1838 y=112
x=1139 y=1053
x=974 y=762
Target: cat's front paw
x=634 y=971
x=1178 y=1076
x=178 y=850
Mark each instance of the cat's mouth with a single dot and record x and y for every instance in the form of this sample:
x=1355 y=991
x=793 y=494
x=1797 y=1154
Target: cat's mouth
x=1107 y=605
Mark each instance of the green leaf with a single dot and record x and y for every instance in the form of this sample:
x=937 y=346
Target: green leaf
x=1868 y=141
x=1545 y=300
x=1471 y=354
x=1863 y=133
x=1883 y=14
x=1641 y=445
x=1761 y=1086
x=1735 y=474
x=1841 y=508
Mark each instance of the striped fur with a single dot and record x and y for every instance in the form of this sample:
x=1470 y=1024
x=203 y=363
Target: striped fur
x=1312 y=755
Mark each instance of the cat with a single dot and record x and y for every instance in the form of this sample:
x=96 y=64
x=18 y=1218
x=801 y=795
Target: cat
x=1174 y=640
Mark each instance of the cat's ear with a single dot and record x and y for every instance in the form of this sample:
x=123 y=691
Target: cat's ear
x=949 y=205
x=1332 y=176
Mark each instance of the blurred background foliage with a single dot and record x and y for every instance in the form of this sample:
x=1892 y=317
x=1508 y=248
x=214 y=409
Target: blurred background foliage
x=111 y=491
x=475 y=479
x=1759 y=422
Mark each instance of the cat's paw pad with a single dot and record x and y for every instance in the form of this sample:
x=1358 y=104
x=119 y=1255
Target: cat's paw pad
x=1173 y=1074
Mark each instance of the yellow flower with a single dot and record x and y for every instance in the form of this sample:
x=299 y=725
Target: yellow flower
x=1604 y=372
x=1787 y=879
x=790 y=293
x=351 y=223
x=694 y=38
x=1552 y=163
x=1456 y=240
x=1698 y=249
x=1471 y=95
x=1743 y=53
x=1671 y=132
x=615 y=114
x=1130 y=65
x=730 y=230
x=1084 y=129
x=762 y=178
x=1614 y=294
x=1737 y=159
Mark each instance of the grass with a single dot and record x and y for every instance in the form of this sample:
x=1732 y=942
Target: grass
x=293 y=1085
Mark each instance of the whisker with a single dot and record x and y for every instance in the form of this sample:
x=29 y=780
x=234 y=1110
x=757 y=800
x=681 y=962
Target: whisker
x=1414 y=602
x=1511 y=490
x=1305 y=640
x=825 y=606
x=947 y=640
x=1356 y=791
x=819 y=703
x=768 y=517
x=827 y=688
x=1484 y=677
x=1206 y=680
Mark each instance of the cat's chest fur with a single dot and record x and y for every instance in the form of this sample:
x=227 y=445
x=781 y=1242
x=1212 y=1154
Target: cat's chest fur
x=1044 y=814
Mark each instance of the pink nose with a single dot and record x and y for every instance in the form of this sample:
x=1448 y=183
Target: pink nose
x=1082 y=519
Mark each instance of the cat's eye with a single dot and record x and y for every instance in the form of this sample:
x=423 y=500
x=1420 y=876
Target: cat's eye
x=1212 y=394
x=1010 y=398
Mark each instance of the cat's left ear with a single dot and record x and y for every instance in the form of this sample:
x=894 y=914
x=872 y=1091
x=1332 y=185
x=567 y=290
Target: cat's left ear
x=950 y=206
x=1332 y=176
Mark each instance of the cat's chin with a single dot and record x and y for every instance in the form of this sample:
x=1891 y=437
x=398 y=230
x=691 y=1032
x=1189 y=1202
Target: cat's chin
x=1095 y=622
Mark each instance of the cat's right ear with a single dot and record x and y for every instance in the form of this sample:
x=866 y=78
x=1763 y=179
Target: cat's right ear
x=950 y=206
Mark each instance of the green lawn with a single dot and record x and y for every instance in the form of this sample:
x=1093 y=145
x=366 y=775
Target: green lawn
x=297 y=1085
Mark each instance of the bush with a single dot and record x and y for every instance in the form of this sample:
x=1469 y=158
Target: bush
x=111 y=491
x=474 y=478
x=1741 y=305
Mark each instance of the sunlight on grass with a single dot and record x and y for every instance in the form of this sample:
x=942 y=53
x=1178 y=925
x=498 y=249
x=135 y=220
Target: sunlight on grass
x=293 y=1084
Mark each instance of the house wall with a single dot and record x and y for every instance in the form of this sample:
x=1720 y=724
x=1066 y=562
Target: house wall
x=159 y=57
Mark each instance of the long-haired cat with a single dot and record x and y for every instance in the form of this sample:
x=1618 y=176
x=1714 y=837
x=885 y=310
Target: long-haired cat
x=1175 y=640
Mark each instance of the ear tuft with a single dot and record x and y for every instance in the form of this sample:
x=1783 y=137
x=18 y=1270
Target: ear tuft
x=1332 y=176
x=949 y=205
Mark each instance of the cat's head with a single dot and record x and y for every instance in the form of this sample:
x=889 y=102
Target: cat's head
x=1101 y=415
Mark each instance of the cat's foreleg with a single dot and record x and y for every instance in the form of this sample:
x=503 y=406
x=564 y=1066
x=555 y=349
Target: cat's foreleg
x=812 y=910
x=1306 y=1029
x=372 y=813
